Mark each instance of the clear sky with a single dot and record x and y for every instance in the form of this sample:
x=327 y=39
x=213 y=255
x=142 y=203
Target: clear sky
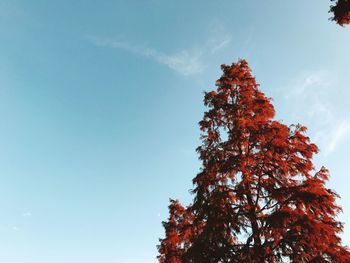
x=99 y=105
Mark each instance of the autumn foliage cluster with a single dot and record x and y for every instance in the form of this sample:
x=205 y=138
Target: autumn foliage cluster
x=341 y=12
x=257 y=197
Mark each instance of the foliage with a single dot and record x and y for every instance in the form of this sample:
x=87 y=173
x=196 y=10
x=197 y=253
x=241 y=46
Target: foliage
x=257 y=197
x=341 y=12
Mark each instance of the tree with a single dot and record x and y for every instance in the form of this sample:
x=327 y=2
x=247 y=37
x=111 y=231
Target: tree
x=178 y=231
x=341 y=12
x=257 y=197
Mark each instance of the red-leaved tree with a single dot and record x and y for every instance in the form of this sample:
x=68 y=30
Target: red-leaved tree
x=341 y=12
x=257 y=197
x=178 y=231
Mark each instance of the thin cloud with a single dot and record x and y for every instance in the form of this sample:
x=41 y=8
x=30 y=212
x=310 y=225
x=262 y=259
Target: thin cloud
x=310 y=96
x=339 y=133
x=27 y=214
x=15 y=228
x=310 y=84
x=218 y=43
x=219 y=37
x=320 y=108
x=184 y=62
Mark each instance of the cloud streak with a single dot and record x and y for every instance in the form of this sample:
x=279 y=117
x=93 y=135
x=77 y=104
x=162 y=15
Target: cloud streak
x=338 y=135
x=15 y=228
x=217 y=44
x=27 y=214
x=185 y=62
x=311 y=97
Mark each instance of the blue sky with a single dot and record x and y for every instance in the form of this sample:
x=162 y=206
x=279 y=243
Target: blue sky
x=99 y=105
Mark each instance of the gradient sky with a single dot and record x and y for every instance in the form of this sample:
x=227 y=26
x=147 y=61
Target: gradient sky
x=99 y=105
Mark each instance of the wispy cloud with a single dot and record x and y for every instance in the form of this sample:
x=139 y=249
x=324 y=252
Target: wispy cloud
x=15 y=228
x=219 y=43
x=27 y=214
x=311 y=96
x=185 y=62
x=339 y=132
x=310 y=84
